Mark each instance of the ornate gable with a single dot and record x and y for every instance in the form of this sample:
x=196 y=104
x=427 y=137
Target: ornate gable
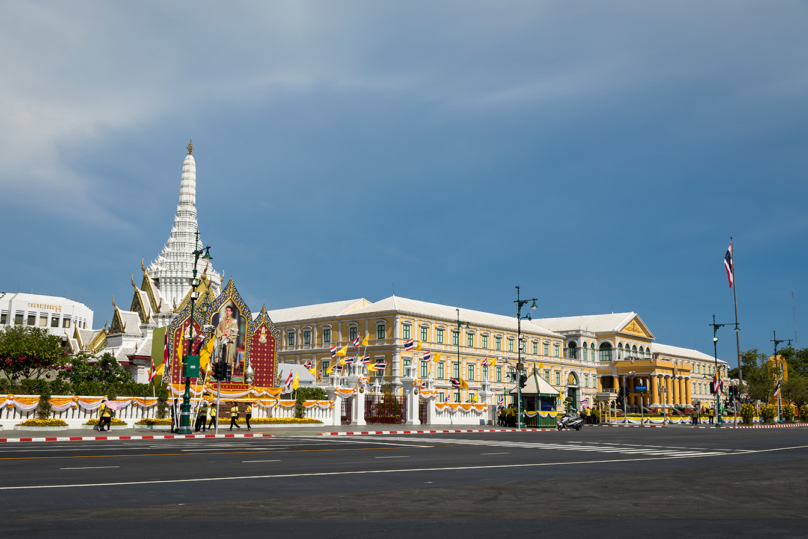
x=148 y=287
x=636 y=327
x=137 y=304
x=229 y=293
x=262 y=352
x=206 y=296
x=99 y=341
x=117 y=325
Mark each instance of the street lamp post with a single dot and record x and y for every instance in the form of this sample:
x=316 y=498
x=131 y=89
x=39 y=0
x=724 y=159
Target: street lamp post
x=519 y=366
x=459 y=327
x=779 y=377
x=719 y=421
x=185 y=416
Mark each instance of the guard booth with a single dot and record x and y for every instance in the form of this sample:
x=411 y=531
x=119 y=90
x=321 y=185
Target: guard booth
x=538 y=396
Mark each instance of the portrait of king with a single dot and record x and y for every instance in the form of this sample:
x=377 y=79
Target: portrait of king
x=229 y=337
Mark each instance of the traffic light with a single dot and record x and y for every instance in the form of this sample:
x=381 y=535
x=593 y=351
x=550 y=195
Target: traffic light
x=522 y=380
x=217 y=371
x=731 y=392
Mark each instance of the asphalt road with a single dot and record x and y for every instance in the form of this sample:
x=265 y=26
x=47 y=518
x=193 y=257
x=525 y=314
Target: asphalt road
x=600 y=482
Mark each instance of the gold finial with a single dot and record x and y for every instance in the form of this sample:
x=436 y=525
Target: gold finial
x=191 y=147
x=113 y=302
x=133 y=280
x=142 y=267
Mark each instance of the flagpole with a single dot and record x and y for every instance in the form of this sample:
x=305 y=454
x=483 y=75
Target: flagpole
x=737 y=329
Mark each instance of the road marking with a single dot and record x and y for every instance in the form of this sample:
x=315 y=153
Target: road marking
x=248 y=461
x=395 y=457
x=89 y=468
x=363 y=441
x=505 y=453
x=243 y=448
x=367 y=472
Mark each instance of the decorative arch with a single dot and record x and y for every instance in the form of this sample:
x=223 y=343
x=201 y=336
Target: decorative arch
x=262 y=350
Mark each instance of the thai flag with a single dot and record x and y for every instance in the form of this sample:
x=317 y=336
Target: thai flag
x=485 y=362
x=334 y=351
x=501 y=401
x=427 y=357
x=455 y=383
x=355 y=342
x=288 y=385
x=728 y=263
x=366 y=360
x=777 y=388
x=307 y=365
x=380 y=366
x=409 y=345
x=152 y=372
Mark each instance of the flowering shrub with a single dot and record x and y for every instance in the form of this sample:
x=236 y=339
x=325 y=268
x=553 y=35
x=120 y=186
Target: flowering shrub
x=115 y=421
x=768 y=412
x=282 y=421
x=804 y=412
x=788 y=412
x=43 y=423
x=747 y=413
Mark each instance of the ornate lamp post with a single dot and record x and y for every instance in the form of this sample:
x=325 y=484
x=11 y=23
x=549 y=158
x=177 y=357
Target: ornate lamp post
x=776 y=342
x=519 y=366
x=719 y=421
x=460 y=324
x=185 y=416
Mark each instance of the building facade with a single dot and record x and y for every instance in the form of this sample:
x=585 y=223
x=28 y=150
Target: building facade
x=59 y=315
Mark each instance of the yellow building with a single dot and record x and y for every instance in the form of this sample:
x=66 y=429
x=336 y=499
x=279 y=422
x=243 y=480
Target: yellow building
x=585 y=357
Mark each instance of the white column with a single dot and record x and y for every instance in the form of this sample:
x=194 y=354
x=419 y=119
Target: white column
x=359 y=407
x=412 y=396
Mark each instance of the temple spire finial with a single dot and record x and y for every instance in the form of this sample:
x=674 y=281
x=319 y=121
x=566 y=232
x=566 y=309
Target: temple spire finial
x=190 y=147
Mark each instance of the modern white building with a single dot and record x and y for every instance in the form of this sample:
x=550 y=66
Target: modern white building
x=59 y=315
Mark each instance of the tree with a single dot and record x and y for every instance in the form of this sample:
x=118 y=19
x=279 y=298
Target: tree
x=92 y=378
x=757 y=378
x=796 y=389
x=29 y=352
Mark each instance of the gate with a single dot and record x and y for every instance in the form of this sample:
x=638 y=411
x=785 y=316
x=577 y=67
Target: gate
x=386 y=408
x=347 y=411
x=422 y=411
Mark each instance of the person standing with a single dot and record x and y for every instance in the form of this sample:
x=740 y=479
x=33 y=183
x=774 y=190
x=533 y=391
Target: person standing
x=248 y=415
x=213 y=418
x=174 y=415
x=234 y=416
x=104 y=417
x=202 y=416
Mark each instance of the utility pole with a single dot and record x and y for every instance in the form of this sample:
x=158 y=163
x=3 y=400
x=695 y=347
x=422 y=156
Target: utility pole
x=519 y=366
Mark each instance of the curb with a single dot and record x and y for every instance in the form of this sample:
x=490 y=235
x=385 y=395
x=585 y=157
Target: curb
x=372 y=432
x=633 y=426
x=789 y=426
x=114 y=438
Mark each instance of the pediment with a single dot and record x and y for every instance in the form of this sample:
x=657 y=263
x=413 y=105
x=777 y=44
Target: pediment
x=635 y=326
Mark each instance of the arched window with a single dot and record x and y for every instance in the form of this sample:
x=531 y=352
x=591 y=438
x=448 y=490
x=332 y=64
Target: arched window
x=585 y=357
x=620 y=351
x=605 y=352
x=592 y=352
x=571 y=351
x=634 y=351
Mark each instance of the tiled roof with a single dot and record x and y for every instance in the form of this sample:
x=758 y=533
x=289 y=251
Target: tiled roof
x=687 y=353
x=596 y=323
x=320 y=310
x=449 y=313
x=131 y=321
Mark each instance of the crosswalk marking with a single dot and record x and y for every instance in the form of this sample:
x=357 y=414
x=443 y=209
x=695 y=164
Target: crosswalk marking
x=587 y=448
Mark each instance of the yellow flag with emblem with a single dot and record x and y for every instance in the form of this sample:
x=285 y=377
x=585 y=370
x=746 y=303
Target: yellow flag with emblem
x=204 y=355
x=342 y=352
x=296 y=380
x=365 y=340
x=463 y=383
x=437 y=357
x=418 y=348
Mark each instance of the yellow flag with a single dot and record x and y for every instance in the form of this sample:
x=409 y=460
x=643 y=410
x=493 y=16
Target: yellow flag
x=341 y=361
x=418 y=348
x=541 y=366
x=160 y=370
x=474 y=398
x=311 y=371
x=463 y=384
x=330 y=369
x=204 y=355
x=342 y=351
x=365 y=340
x=296 y=380
x=437 y=357
x=492 y=361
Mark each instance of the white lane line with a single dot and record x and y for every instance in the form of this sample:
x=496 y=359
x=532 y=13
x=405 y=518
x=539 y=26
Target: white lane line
x=505 y=453
x=395 y=457
x=248 y=461
x=360 y=441
x=367 y=472
x=246 y=448
x=90 y=468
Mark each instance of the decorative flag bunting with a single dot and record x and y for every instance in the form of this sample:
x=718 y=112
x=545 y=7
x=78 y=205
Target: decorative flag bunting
x=409 y=345
x=427 y=357
x=333 y=350
x=355 y=342
x=380 y=366
x=729 y=265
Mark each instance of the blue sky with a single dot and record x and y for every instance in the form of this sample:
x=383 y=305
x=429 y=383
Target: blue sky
x=598 y=154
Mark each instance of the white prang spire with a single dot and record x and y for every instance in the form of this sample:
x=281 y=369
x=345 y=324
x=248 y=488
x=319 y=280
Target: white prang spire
x=173 y=270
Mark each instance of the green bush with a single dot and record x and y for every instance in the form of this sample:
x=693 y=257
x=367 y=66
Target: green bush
x=162 y=402
x=747 y=413
x=789 y=412
x=768 y=412
x=804 y=412
x=44 y=409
